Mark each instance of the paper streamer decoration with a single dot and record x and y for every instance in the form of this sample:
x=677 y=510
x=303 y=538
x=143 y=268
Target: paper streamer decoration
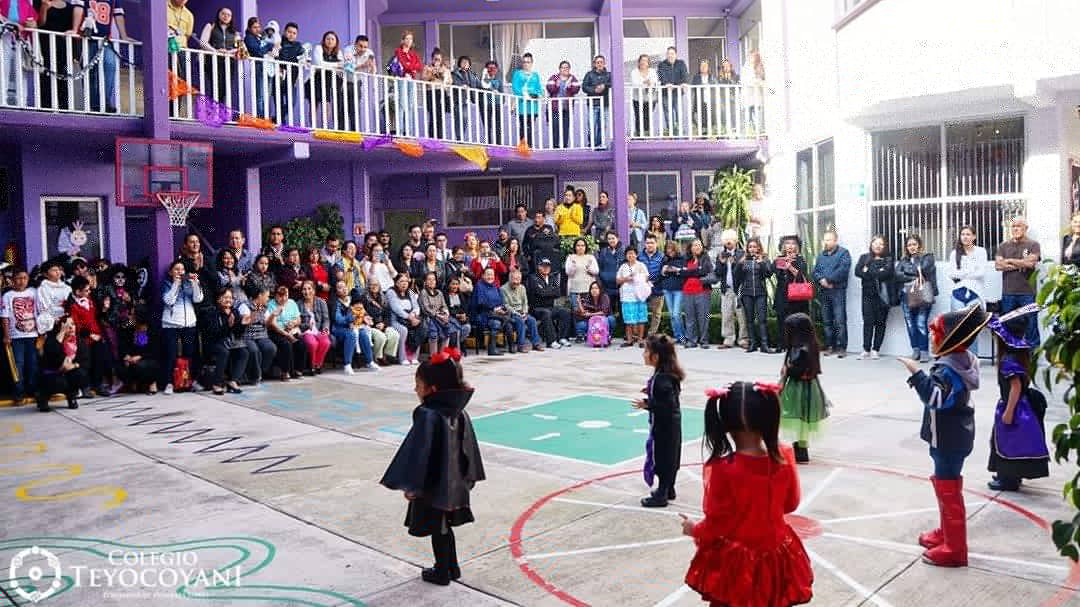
x=210 y=112
x=178 y=87
x=430 y=145
x=474 y=154
x=410 y=149
x=371 y=143
x=523 y=149
x=254 y=122
x=298 y=130
x=338 y=136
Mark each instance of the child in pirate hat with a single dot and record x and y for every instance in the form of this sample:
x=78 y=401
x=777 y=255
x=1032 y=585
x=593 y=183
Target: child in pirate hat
x=948 y=425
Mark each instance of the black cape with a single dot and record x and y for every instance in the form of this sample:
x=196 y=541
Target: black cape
x=440 y=458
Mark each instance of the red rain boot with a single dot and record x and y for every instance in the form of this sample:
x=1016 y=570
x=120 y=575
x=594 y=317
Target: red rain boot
x=935 y=538
x=954 y=552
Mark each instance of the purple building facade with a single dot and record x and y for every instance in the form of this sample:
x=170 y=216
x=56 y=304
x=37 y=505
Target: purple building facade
x=265 y=175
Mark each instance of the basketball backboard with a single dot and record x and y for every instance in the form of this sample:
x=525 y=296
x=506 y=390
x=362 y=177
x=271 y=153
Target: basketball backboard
x=147 y=166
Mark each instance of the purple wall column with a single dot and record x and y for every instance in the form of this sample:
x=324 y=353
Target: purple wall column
x=431 y=38
x=613 y=10
x=253 y=201
x=682 y=42
x=733 y=42
x=361 y=198
x=156 y=102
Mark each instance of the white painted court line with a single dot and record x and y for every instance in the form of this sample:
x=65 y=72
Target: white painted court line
x=546 y=436
x=636 y=413
x=612 y=548
x=866 y=593
x=691 y=473
x=639 y=509
x=914 y=549
x=674 y=597
x=898 y=513
x=813 y=495
x=545 y=417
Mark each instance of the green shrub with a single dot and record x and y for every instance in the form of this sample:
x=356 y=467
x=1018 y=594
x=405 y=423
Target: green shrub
x=312 y=230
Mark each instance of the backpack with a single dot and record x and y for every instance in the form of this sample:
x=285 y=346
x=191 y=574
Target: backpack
x=597 y=332
x=182 y=374
x=393 y=68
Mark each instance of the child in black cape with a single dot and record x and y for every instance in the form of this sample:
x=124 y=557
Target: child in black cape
x=439 y=462
x=663 y=449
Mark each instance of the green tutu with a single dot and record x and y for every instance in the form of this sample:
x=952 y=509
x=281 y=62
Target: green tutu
x=803 y=406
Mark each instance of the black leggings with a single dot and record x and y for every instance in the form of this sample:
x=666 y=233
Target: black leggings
x=756 y=309
x=445 y=548
x=67 y=384
x=874 y=313
x=291 y=357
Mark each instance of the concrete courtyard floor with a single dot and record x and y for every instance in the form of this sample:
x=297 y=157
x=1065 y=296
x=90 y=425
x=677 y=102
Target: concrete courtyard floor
x=283 y=482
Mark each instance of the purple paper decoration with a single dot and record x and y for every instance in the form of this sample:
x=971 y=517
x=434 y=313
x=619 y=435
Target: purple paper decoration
x=210 y=112
x=299 y=130
x=370 y=143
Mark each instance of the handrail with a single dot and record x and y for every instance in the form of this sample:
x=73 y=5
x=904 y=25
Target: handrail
x=695 y=111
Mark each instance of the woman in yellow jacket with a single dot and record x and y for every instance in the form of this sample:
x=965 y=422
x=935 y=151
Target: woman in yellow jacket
x=569 y=216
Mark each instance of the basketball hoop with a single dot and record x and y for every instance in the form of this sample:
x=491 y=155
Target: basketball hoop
x=178 y=204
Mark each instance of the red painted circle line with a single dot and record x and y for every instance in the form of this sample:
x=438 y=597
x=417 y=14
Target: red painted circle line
x=518 y=553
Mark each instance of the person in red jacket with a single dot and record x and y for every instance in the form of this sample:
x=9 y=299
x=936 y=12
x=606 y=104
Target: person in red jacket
x=93 y=352
x=485 y=259
x=407 y=65
x=562 y=85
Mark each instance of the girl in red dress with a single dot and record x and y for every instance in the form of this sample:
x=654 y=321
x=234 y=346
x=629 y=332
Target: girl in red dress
x=747 y=555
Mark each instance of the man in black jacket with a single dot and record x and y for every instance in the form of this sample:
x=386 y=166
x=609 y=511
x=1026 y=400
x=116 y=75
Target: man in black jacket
x=672 y=73
x=556 y=324
x=290 y=52
x=597 y=84
x=541 y=241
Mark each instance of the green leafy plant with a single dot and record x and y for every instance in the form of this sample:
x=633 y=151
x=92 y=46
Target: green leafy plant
x=312 y=230
x=731 y=191
x=566 y=244
x=1060 y=297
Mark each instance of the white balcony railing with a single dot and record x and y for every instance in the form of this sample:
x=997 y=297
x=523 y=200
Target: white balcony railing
x=329 y=98
x=700 y=111
x=60 y=72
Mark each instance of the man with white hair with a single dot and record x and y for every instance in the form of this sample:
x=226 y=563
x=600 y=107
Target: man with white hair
x=726 y=257
x=1016 y=259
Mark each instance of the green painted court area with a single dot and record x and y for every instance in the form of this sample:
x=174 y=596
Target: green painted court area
x=591 y=428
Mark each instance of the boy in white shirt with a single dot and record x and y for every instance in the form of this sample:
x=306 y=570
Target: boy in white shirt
x=18 y=316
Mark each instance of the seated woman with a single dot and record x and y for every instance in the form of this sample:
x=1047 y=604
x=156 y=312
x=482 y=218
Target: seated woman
x=348 y=330
x=260 y=275
x=436 y=315
x=594 y=303
x=222 y=331
x=137 y=367
x=429 y=263
x=314 y=325
x=492 y=315
x=458 y=303
x=486 y=258
x=318 y=273
x=406 y=320
x=284 y=325
x=292 y=274
x=261 y=349
x=377 y=317
x=57 y=370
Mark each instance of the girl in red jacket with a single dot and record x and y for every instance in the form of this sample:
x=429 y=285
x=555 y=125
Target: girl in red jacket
x=747 y=555
x=93 y=352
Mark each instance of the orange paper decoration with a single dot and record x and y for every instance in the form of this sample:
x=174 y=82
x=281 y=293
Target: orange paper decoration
x=410 y=149
x=254 y=122
x=179 y=87
x=523 y=149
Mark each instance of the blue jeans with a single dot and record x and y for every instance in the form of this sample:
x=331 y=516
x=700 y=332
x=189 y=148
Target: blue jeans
x=598 y=116
x=526 y=329
x=834 y=315
x=948 y=465
x=26 y=361
x=582 y=326
x=108 y=65
x=1012 y=302
x=405 y=109
x=916 y=321
x=673 y=301
x=350 y=339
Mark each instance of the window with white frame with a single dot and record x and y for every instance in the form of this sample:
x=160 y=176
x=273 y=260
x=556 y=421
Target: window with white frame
x=702 y=182
x=659 y=191
x=707 y=41
x=815 y=193
x=490 y=201
x=550 y=42
x=650 y=37
x=931 y=181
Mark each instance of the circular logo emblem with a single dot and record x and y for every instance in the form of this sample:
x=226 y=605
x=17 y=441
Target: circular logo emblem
x=40 y=585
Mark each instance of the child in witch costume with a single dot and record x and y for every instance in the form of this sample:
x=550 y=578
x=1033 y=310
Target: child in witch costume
x=439 y=462
x=663 y=448
x=802 y=401
x=747 y=554
x=948 y=424
x=1018 y=441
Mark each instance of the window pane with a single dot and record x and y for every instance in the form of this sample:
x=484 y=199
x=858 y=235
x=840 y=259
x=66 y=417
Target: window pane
x=473 y=41
x=646 y=36
x=985 y=157
x=804 y=175
x=826 y=176
x=825 y=222
x=568 y=29
x=804 y=227
x=704 y=27
x=663 y=195
x=637 y=186
x=705 y=49
x=445 y=40
x=390 y=36
x=472 y=202
x=702 y=183
x=577 y=49
x=906 y=164
x=532 y=192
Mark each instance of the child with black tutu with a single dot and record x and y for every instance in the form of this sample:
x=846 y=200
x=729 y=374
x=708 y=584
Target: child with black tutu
x=1018 y=440
x=663 y=448
x=439 y=462
x=747 y=554
x=803 y=405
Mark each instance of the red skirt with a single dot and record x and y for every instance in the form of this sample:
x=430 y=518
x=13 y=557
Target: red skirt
x=734 y=575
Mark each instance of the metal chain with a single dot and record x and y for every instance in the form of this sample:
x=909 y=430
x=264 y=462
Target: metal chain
x=37 y=62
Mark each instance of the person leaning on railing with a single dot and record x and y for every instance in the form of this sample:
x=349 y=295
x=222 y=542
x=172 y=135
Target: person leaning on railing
x=701 y=99
x=526 y=83
x=597 y=85
x=462 y=98
x=490 y=104
x=58 y=17
x=437 y=74
x=258 y=45
x=329 y=89
x=644 y=80
x=221 y=37
x=290 y=52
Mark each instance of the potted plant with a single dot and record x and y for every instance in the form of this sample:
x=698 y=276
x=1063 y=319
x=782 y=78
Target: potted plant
x=731 y=192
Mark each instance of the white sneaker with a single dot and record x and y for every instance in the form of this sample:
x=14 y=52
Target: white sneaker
x=555 y=345
x=197 y=387
x=349 y=370
x=863 y=355
x=874 y=355
x=373 y=367
x=565 y=342
x=168 y=389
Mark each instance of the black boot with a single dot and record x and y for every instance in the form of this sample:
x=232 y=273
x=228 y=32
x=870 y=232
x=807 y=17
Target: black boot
x=455 y=568
x=802 y=454
x=1000 y=483
x=671 y=494
x=656 y=499
x=440 y=573
x=43 y=404
x=493 y=349
x=511 y=346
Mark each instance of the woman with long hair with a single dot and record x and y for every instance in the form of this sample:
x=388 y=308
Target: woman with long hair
x=513 y=258
x=405 y=306
x=697 y=295
x=329 y=88
x=384 y=338
x=221 y=37
x=751 y=274
x=222 y=332
x=644 y=80
x=789 y=268
x=967 y=271
x=229 y=276
x=656 y=229
x=471 y=247
x=314 y=326
x=318 y=273
x=581 y=270
x=283 y=320
x=916 y=271
x=876 y=271
x=59 y=372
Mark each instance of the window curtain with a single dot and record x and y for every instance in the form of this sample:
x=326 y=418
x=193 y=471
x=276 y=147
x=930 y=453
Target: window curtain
x=659 y=28
x=509 y=41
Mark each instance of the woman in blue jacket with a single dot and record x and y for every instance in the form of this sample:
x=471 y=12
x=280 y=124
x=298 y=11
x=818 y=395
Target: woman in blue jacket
x=609 y=259
x=491 y=311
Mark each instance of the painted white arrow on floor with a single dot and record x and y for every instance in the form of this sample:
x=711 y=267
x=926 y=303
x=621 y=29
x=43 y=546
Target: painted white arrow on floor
x=547 y=436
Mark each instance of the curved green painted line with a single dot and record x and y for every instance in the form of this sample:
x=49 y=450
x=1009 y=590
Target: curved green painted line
x=68 y=584
x=91 y=546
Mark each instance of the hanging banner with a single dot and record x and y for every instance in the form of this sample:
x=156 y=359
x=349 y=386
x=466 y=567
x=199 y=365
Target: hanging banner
x=338 y=136
x=409 y=148
x=474 y=154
